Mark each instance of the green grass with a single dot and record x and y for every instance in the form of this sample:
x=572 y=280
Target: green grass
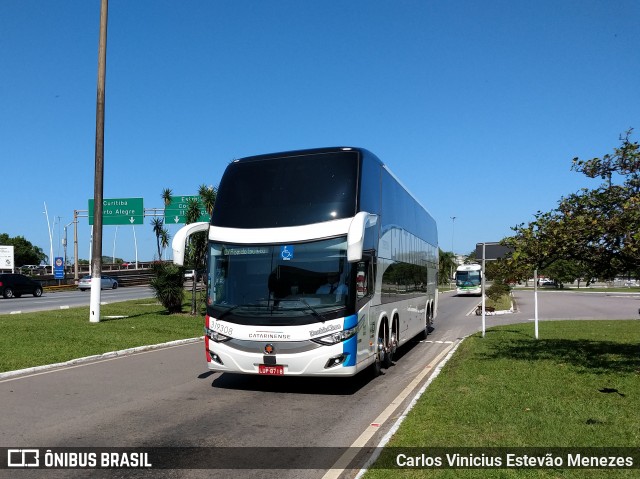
x=34 y=339
x=511 y=390
x=502 y=304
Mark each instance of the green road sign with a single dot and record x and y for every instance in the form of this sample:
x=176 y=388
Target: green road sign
x=120 y=211
x=176 y=212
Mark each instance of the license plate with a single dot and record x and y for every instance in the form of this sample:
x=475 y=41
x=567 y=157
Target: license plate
x=271 y=370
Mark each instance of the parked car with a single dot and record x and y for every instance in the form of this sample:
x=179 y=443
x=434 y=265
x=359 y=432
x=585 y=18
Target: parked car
x=190 y=274
x=106 y=282
x=15 y=285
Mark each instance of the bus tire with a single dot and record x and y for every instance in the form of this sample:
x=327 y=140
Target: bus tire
x=427 y=323
x=380 y=352
x=391 y=342
x=376 y=367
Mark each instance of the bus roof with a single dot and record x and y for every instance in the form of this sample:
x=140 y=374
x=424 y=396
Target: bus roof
x=307 y=152
x=333 y=149
x=468 y=267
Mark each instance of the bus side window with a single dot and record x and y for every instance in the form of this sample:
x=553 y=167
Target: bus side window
x=362 y=288
x=364 y=279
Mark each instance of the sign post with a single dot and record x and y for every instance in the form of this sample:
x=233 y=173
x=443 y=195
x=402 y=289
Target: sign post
x=58 y=268
x=535 y=300
x=491 y=252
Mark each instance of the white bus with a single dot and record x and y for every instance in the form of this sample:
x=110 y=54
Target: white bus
x=469 y=279
x=320 y=264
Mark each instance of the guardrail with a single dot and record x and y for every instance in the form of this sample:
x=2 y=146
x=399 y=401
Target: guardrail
x=124 y=278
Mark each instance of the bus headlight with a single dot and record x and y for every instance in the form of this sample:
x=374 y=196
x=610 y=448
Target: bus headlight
x=215 y=336
x=335 y=338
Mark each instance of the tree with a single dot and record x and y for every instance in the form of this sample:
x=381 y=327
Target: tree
x=197 y=250
x=567 y=271
x=168 y=283
x=446 y=266
x=208 y=196
x=598 y=227
x=167 y=196
x=158 y=226
x=612 y=241
x=23 y=251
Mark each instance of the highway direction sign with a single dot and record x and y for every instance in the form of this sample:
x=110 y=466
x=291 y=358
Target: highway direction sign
x=120 y=211
x=176 y=212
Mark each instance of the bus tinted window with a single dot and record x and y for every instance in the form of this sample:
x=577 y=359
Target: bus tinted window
x=274 y=192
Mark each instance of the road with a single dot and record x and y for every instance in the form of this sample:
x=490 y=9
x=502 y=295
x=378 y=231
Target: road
x=70 y=299
x=168 y=398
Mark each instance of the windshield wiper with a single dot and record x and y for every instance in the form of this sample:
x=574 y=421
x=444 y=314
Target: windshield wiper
x=244 y=305
x=311 y=308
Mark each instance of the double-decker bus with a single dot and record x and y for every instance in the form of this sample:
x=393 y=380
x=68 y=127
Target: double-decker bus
x=469 y=279
x=320 y=263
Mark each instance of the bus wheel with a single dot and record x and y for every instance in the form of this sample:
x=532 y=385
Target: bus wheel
x=380 y=356
x=391 y=346
x=427 y=324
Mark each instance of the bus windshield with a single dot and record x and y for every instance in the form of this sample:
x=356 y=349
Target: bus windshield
x=287 y=191
x=468 y=278
x=279 y=284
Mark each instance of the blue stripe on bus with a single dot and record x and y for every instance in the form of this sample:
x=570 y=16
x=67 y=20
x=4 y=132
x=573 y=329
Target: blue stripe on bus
x=350 y=346
x=350 y=321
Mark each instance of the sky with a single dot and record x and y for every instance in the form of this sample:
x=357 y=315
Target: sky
x=478 y=107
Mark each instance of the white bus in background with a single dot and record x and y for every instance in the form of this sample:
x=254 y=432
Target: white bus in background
x=469 y=279
x=320 y=264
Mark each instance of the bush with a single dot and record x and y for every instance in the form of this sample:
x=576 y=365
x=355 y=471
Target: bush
x=168 y=286
x=498 y=290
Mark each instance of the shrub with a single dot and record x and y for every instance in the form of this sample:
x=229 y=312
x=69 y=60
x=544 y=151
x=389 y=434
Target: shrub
x=497 y=290
x=168 y=286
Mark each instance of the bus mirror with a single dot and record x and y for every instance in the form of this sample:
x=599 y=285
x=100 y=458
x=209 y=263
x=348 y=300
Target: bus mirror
x=355 y=236
x=180 y=238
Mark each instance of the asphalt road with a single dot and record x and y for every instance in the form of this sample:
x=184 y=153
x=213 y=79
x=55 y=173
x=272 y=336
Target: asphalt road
x=558 y=304
x=70 y=299
x=167 y=397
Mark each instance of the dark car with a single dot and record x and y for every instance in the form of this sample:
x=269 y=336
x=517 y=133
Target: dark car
x=15 y=285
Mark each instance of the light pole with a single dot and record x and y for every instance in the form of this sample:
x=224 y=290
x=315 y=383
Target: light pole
x=98 y=181
x=59 y=233
x=115 y=236
x=64 y=245
x=50 y=236
x=453 y=255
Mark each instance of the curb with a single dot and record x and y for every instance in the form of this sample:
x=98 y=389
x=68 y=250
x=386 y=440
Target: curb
x=97 y=357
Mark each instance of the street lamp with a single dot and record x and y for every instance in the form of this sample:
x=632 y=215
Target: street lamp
x=64 y=245
x=50 y=236
x=453 y=255
x=59 y=233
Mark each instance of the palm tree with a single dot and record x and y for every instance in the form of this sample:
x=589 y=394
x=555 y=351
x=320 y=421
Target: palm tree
x=208 y=196
x=446 y=267
x=167 y=195
x=164 y=238
x=158 y=227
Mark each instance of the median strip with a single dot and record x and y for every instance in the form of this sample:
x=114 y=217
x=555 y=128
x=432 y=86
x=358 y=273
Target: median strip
x=343 y=462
